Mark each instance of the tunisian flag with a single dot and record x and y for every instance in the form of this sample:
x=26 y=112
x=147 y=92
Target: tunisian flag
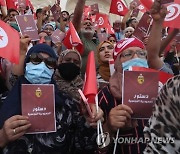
x=172 y=18
x=72 y=39
x=90 y=83
x=12 y=4
x=102 y=20
x=2 y=2
x=118 y=7
x=9 y=43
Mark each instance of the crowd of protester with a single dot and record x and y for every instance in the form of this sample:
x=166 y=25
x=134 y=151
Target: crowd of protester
x=65 y=68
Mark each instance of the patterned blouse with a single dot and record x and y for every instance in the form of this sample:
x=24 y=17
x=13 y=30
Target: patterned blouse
x=131 y=141
x=73 y=134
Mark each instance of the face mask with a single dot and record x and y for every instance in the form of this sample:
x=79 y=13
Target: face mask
x=134 y=62
x=38 y=74
x=68 y=71
x=53 y=24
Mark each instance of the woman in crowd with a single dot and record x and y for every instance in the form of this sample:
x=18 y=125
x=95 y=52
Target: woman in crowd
x=40 y=64
x=164 y=127
x=104 y=54
x=67 y=75
x=130 y=52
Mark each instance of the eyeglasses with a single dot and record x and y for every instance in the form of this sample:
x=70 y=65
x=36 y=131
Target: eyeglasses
x=37 y=58
x=129 y=54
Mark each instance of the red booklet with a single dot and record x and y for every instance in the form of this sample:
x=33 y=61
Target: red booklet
x=38 y=103
x=140 y=90
x=163 y=76
x=55 y=12
x=57 y=36
x=27 y=26
x=143 y=27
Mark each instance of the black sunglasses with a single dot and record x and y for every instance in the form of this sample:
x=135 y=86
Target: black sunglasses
x=37 y=58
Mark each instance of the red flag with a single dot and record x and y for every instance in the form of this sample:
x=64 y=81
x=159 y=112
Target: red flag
x=102 y=20
x=140 y=6
x=110 y=30
x=72 y=39
x=2 y=3
x=11 y=4
x=173 y=16
x=9 y=43
x=118 y=7
x=86 y=11
x=28 y=3
x=147 y=3
x=90 y=83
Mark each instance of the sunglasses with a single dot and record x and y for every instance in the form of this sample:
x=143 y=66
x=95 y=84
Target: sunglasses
x=37 y=58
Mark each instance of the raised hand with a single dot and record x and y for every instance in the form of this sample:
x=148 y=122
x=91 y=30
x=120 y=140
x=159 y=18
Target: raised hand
x=158 y=11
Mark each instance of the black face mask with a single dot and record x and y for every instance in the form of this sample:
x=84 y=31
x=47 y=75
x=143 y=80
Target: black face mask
x=68 y=71
x=3 y=87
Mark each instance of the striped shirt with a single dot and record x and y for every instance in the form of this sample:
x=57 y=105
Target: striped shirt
x=131 y=140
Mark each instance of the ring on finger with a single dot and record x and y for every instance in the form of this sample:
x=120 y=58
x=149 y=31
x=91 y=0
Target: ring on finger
x=14 y=131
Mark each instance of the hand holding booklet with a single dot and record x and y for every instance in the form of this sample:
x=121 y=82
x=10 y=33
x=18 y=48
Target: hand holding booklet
x=38 y=103
x=140 y=89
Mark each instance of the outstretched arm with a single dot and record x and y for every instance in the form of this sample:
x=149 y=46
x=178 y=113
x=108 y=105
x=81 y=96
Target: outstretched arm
x=167 y=40
x=158 y=13
x=78 y=14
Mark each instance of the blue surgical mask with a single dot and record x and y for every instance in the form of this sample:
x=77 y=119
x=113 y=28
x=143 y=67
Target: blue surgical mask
x=38 y=74
x=134 y=62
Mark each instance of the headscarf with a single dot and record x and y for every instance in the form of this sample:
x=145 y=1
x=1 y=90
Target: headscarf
x=104 y=70
x=69 y=87
x=65 y=52
x=116 y=79
x=48 y=24
x=12 y=104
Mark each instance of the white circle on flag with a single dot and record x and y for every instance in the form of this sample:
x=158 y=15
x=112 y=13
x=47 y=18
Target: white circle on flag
x=101 y=21
x=140 y=7
x=174 y=11
x=119 y=7
x=3 y=38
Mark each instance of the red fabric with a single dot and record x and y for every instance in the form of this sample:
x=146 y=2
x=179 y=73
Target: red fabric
x=72 y=39
x=118 y=7
x=147 y=3
x=173 y=17
x=102 y=20
x=42 y=40
x=126 y=43
x=9 y=43
x=90 y=83
x=11 y=4
x=163 y=76
x=2 y=3
x=87 y=10
x=110 y=30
